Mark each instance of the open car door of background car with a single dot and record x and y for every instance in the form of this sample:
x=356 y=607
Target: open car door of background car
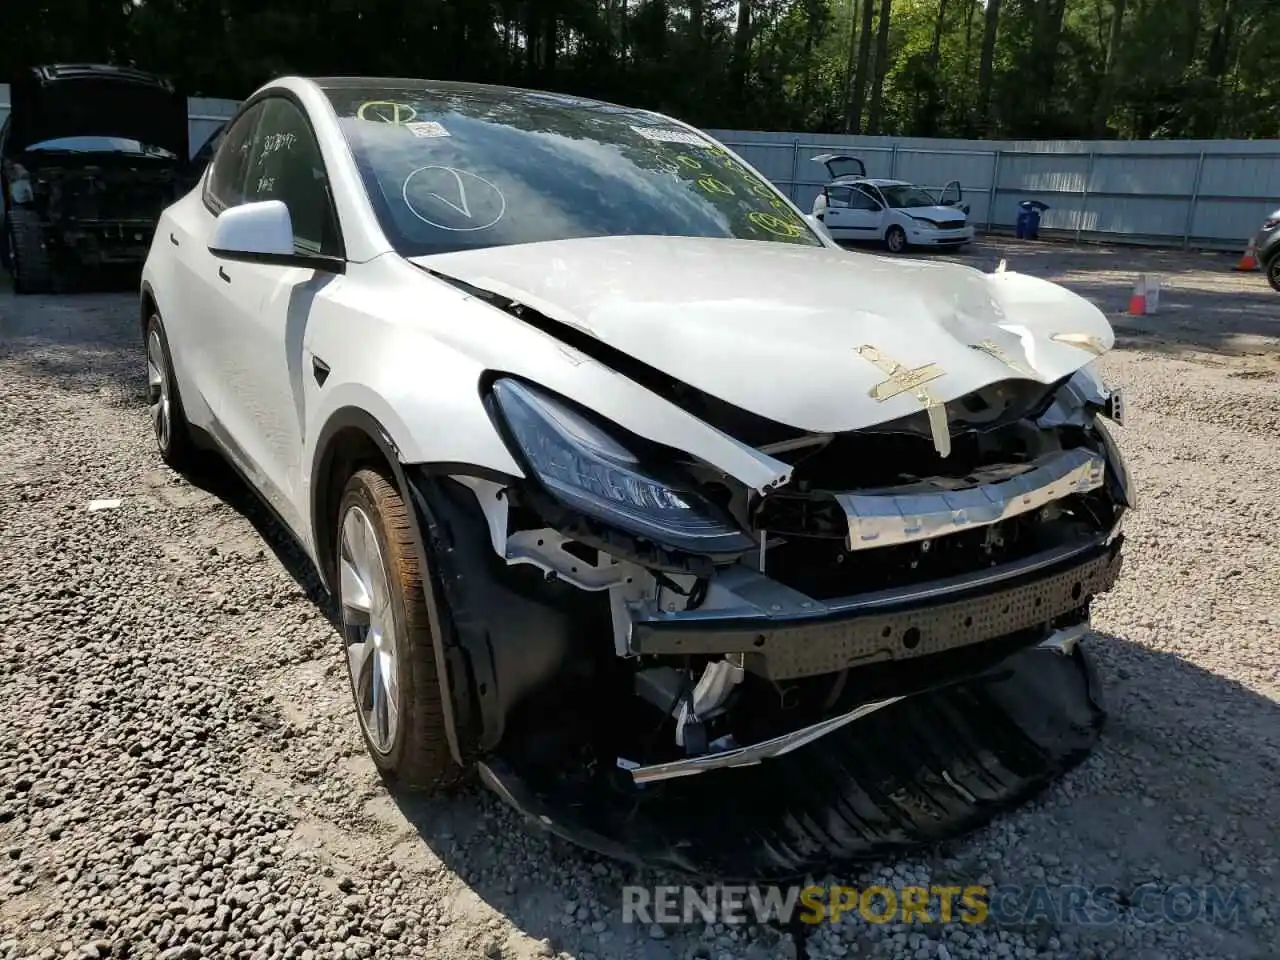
x=952 y=196
x=839 y=165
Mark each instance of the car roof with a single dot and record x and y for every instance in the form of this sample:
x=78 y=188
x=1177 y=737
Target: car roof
x=479 y=91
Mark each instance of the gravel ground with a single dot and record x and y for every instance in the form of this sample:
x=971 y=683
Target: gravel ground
x=181 y=776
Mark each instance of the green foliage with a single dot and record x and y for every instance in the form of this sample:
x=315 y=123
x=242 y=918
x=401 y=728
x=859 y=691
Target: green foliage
x=1059 y=68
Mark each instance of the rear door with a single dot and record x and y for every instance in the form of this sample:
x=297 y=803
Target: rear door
x=192 y=315
x=865 y=212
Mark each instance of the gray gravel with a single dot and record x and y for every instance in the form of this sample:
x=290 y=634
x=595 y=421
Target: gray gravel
x=181 y=777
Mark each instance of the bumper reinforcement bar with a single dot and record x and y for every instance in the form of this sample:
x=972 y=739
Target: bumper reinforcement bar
x=894 y=516
x=811 y=646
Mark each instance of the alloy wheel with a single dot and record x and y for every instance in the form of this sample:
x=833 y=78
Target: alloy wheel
x=373 y=649
x=158 y=389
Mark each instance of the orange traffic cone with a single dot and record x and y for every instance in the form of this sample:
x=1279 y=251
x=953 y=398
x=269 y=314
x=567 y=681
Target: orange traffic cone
x=1249 y=262
x=1138 y=299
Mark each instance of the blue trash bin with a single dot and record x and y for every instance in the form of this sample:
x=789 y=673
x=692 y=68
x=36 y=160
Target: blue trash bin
x=1028 y=223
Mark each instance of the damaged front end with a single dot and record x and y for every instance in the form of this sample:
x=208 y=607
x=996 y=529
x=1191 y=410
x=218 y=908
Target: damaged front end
x=877 y=650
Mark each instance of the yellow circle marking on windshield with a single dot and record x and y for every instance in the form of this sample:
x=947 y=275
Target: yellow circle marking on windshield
x=760 y=190
x=385 y=111
x=774 y=224
x=712 y=185
x=688 y=161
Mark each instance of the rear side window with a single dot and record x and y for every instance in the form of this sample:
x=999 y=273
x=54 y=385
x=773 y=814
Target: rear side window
x=225 y=186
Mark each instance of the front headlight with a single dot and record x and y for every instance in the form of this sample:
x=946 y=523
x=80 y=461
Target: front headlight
x=925 y=224
x=586 y=469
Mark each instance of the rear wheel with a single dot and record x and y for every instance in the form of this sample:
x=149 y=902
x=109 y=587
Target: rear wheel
x=895 y=238
x=164 y=403
x=29 y=263
x=1273 y=273
x=390 y=648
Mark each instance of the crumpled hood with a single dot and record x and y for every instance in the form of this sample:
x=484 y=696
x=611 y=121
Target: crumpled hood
x=804 y=336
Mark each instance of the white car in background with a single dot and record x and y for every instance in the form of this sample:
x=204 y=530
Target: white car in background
x=899 y=214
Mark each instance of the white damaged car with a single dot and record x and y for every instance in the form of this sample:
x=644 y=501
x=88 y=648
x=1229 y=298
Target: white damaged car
x=897 y=213
x=701 y=541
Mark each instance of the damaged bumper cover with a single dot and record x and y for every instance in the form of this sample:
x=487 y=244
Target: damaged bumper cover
x=910 y=774
x=892 y=626
x=837 y=635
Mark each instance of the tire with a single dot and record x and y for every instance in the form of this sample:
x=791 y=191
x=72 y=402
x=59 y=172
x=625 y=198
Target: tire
x=895 y=238
x=164 y=402
x=1273 y=273
x=411 y=750
x=29 y=263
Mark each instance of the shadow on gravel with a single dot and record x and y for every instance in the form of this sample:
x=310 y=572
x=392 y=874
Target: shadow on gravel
x=1182 y=746
x=215 y=476
x=83 y=344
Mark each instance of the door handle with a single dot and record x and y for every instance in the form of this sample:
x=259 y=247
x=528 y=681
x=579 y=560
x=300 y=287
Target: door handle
x=173 y=240
x=223 y=274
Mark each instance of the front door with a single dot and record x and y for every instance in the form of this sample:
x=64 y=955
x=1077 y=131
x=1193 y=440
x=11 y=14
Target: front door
x=263 y=334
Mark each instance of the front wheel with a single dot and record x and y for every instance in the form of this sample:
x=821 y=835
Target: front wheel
x=1273 y=273
x=895 y=238
x=390 y=648
x=28 y=259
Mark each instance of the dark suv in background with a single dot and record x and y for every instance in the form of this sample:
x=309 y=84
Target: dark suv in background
x=89 y=156
x=1267 y=244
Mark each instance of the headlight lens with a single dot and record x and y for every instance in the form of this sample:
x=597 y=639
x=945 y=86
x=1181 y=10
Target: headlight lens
x=587 y=469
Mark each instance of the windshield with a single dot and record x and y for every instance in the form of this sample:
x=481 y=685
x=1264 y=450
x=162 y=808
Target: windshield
x=451 y=167
x=903 y=196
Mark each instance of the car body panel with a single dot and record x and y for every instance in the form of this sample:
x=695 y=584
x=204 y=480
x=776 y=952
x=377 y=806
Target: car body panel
x=731 y=299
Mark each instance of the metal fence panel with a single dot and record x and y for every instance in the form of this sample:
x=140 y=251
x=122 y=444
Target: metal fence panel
x=1211 y=193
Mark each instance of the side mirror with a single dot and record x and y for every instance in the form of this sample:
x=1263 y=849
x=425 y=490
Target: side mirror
x=262 y=232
